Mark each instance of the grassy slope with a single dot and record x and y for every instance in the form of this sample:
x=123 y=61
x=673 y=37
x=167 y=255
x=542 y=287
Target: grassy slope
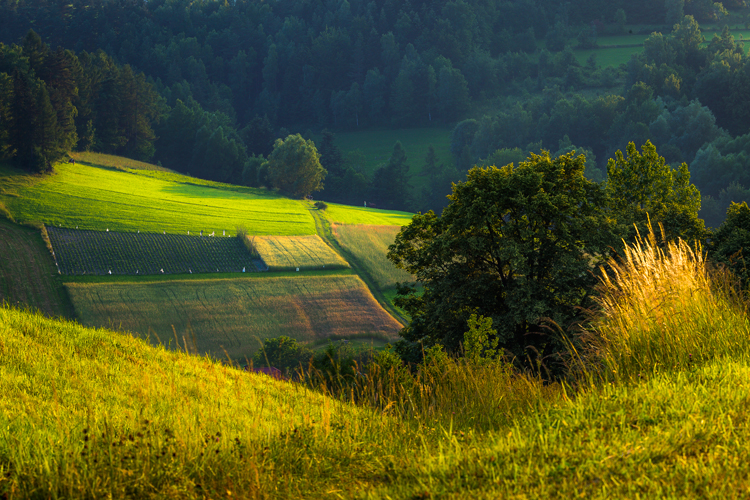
x=346 y=214
x=149 y=201
x=27 y=272
x=369 y=245
x=97 y=413
x=235 y=315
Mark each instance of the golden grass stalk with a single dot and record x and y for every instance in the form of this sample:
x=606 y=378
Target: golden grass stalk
x=662 y=307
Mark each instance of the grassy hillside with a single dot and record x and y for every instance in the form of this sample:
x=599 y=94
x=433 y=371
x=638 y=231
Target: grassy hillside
x=235 y=315
x=369 y=245
x=87 y=197
x=28 y=276
x=377 y=146
x=95 y=413
x=347 y=214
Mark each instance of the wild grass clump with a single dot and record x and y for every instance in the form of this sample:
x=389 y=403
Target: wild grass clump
x=664 y=308
x=442 y=391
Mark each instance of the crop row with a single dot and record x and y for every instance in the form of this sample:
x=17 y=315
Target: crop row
x=100 y=253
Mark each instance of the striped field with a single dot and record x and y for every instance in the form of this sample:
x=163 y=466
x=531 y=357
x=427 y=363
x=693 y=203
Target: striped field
x=81 y=252
x=235 y=315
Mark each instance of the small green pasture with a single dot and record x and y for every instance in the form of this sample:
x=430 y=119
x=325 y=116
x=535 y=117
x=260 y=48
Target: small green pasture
x=288 y=253
x=234 y=316
x=369 y=245
x=377 y=146
x=88 y=197
x=348 y=214
x=28 y=277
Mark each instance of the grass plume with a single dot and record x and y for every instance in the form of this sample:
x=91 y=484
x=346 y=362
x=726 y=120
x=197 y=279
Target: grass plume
x=663 y=307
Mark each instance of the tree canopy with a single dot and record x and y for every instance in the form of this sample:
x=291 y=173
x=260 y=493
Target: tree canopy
x=294 y=166
x=515 y=244
x=643 y=186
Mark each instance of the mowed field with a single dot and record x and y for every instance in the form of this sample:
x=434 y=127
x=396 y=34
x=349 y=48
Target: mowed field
x=369 y=245
x=27 y=272
x=151 y=201
x=235 y=315
x=288 y=253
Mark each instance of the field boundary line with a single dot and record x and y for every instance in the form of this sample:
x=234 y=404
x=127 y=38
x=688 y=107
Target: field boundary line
x=323 y=227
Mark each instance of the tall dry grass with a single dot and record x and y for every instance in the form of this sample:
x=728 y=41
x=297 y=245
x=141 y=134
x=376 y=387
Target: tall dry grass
x=663 y=307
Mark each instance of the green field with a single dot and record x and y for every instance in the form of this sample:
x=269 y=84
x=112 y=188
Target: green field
x=79 y=251
x=234 y=315
x=377 y=146
x=87 y=197
x=27 y=272
x=369 y=245
x=346 y=214
x=289 y=253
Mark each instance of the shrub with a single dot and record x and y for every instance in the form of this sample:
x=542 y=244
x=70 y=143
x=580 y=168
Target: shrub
x=283 y=352
x=321 y=205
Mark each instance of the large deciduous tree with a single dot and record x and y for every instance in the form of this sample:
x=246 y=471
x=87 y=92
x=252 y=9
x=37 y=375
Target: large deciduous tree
x=294 y=166
x=642 y=187
x=515 y=244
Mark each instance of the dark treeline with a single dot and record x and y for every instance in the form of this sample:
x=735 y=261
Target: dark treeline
x=53 y=101
x=224 y=80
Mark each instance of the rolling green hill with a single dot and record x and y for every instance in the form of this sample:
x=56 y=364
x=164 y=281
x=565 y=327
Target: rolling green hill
x=131 y=200
x=214 y=315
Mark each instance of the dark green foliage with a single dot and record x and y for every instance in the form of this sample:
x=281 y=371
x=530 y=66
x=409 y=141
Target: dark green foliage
x=731 y=242
x=283 y=353
x=390 y=184
x=321 y=205
x=294 y=166
x=515 y=244
x=642 y=187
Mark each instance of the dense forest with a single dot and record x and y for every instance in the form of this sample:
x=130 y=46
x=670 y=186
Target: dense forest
x=206 y=87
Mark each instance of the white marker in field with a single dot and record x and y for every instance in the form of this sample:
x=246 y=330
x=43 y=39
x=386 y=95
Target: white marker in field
x=162 y=271
x=110 y=271
x=224 y=233
x=243 y=269
x=298 y=269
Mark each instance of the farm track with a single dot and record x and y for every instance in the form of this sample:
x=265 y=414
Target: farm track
x=323 y=228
